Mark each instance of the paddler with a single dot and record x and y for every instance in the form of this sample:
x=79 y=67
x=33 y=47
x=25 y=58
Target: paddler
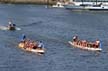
x=11 y=24
x=40 y=44
x=75 y=38
x=23 y=37
x=97 y=43
x=14 y=25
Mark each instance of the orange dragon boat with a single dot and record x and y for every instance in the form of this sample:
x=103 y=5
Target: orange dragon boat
x=83 y=44
x=34 y=49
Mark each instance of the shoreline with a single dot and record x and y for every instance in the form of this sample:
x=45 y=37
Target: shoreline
x=41 y=2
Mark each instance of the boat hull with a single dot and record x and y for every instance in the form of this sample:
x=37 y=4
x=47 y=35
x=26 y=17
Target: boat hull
x=100 y=8
x=37 y=50
x=88 y=7
x=74 y=7
x=7 y=28
x=85 y=48
x=11 y=28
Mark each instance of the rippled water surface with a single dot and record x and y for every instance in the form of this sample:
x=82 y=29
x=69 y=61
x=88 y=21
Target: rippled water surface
x=55 y=27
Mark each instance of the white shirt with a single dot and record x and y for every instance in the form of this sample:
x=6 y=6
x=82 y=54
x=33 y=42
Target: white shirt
x=10 y=22
x=40 y=45
x=97 y=41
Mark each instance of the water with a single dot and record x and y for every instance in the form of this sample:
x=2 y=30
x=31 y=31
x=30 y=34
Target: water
x=55 y=27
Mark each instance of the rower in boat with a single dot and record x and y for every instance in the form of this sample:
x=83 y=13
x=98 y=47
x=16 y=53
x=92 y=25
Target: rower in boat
x=75 y=38
x=11 y=26
x=40 y=45
x=84 y=43
x=23 y=37
x=97 y=43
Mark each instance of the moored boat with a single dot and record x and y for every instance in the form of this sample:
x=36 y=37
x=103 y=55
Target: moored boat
x=87 y=6
x=100 y=7
x=58 y=5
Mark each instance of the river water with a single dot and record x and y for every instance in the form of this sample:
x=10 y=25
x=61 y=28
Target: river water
x=55 y=27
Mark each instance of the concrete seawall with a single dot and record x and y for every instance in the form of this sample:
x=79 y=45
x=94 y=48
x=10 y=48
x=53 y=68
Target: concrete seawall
x=29 y=1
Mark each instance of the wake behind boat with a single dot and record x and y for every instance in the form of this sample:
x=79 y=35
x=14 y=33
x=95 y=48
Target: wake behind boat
x=82 y=44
